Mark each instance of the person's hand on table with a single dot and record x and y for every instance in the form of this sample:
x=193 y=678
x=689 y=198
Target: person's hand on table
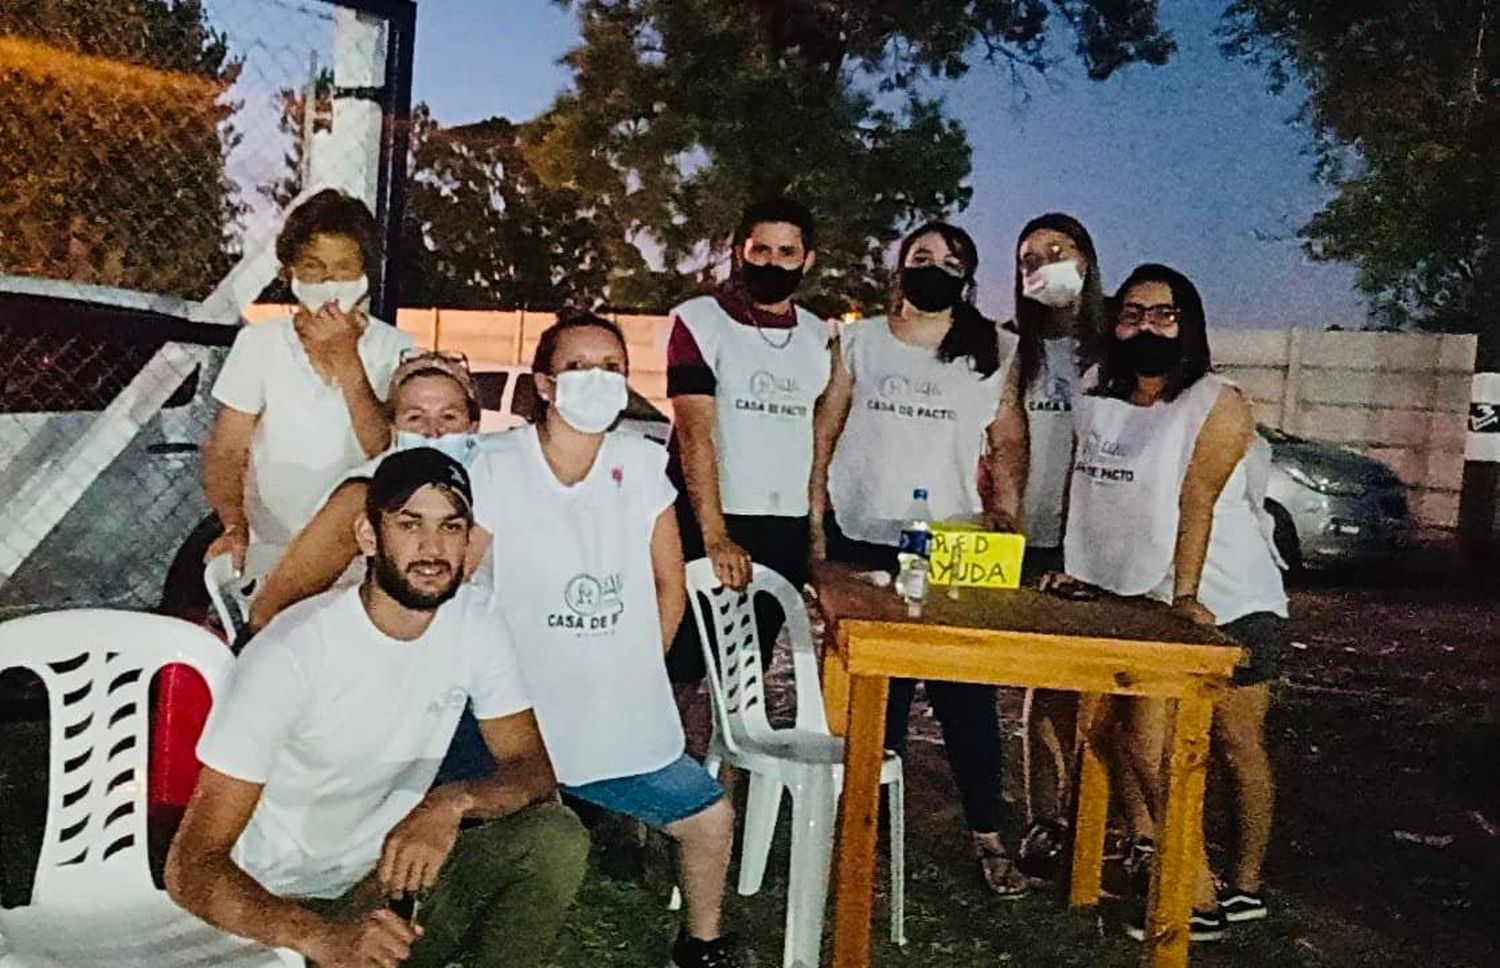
x=1064 y=585
x=1194 y=611
x=731 y=562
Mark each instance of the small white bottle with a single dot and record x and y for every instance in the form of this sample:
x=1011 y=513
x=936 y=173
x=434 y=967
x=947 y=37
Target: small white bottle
x=914 y=552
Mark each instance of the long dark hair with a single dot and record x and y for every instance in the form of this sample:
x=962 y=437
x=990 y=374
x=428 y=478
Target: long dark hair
x=973 y=334
x=1093 y=322
x=1117 y=379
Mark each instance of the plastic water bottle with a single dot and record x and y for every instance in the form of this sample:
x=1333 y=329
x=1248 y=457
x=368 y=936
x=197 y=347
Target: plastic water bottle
x=914 y=552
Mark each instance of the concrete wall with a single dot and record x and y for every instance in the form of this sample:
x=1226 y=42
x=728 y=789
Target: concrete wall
x=1400 y=397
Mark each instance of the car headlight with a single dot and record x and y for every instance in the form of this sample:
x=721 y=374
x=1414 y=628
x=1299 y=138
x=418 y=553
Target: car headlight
x=1323 y=484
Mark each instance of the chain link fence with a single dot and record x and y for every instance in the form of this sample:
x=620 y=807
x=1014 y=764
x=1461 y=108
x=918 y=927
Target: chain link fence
x=150 y=150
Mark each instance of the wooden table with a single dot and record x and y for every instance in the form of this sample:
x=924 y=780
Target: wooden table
x=1022 y=637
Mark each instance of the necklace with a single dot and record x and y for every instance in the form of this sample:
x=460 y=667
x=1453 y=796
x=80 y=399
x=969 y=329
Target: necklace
x=790 y=332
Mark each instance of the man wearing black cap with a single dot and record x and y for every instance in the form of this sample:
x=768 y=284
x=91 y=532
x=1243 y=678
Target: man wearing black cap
x=315 y=810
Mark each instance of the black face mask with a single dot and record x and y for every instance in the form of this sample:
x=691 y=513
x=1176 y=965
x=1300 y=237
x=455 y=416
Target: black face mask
x=930 y=288
x=1151 y=354
x=769 y=284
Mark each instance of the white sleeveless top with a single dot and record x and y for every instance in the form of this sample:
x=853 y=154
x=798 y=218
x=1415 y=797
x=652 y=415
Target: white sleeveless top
x=768 y=381
x=572 y=574
x=914 y=421
x=1123 y=507
x=1049 y=423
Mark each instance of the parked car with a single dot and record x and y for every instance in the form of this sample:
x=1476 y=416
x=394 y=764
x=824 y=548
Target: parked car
x=507 y=398
x=1333 y=506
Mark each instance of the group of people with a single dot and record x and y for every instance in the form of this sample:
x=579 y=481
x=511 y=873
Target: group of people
x=460 y=627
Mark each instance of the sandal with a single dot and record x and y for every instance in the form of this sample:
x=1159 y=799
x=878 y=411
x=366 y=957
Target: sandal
x=1000 y=873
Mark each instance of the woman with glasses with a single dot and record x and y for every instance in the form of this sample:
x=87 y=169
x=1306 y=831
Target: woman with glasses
x=1061 y=320
x=911 y=405
x=1162 y=503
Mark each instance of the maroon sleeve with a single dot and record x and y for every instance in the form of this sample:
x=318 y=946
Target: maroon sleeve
x=688 y=374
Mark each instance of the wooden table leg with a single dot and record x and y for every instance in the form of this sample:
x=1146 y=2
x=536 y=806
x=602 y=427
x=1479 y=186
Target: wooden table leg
x=1093 y=808
x=835 y=691
x=1180 y=835
x=859 y=821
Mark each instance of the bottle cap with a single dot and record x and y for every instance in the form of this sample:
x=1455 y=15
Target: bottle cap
x=920 y=494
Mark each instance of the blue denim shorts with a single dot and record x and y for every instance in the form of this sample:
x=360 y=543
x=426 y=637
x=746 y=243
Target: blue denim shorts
x=677 y=791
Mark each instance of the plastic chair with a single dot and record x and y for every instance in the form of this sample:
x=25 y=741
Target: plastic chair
x=92 y=900
x=804 y=760
x=232 y=593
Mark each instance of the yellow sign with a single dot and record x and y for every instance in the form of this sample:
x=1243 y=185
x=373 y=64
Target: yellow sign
x=965 y=556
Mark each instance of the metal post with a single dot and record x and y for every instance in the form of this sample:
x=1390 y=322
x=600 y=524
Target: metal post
x=395 y=146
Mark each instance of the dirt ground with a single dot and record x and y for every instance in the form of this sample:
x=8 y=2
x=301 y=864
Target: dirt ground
x=1387 y=845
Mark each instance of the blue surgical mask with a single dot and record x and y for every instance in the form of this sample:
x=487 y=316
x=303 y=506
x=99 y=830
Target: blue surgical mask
x=461 y=446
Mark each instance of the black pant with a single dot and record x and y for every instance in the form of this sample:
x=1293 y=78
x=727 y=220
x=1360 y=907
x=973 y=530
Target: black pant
x=779 y=543
x=966 y=711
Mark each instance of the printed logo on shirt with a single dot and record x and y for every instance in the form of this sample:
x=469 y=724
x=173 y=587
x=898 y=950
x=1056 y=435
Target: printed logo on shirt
x=448 y=700
x=593 y=604
x=773 y=395
x=1102 y=460
x=1058 y=397
x=905 y=397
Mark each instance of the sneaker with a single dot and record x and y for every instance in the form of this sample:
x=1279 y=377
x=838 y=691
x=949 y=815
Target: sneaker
x=1202 y=926
x=1139 y=857
x=689 y=952
x=1237 y=906
x=1043 y=850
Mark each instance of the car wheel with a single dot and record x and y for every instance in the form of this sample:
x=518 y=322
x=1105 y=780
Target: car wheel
x=1285 y=537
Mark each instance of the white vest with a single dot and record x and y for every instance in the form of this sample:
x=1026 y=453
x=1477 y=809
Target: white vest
x=1049 y=423
x=914 y=422
x=1123 y=507
x=571 y=571
x=768 y=381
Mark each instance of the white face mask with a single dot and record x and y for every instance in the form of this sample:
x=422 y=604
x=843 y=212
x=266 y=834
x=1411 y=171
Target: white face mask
x=591 y=400
x=1056 y=284
x=460 y=446
x=315 y=295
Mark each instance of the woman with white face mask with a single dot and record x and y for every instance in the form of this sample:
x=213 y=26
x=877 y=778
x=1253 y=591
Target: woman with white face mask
x=587 y=570
x=302 y=396
x=1060 y=317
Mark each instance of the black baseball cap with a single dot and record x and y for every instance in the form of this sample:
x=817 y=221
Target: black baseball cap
x=406 y=472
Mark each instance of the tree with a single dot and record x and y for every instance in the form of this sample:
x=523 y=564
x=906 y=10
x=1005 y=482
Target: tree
x=684 y=110
x=115 y=126
x=298 y=128
x=481 y=231
x=1404 y=110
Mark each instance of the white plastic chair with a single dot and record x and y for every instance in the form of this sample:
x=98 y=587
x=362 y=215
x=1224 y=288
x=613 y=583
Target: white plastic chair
x=805 y=759
x=232 y=593
x=92 y=900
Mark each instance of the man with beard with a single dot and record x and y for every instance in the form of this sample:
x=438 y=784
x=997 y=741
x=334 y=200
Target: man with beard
x=315 y=820
x=745 y=366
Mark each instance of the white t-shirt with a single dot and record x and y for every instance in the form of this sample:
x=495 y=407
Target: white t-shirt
x=914 y=422
x=345 y=727
x=305 y=437
x=572 y=571
x=1123 y=506
x=767 y=383
x=1049 y=422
